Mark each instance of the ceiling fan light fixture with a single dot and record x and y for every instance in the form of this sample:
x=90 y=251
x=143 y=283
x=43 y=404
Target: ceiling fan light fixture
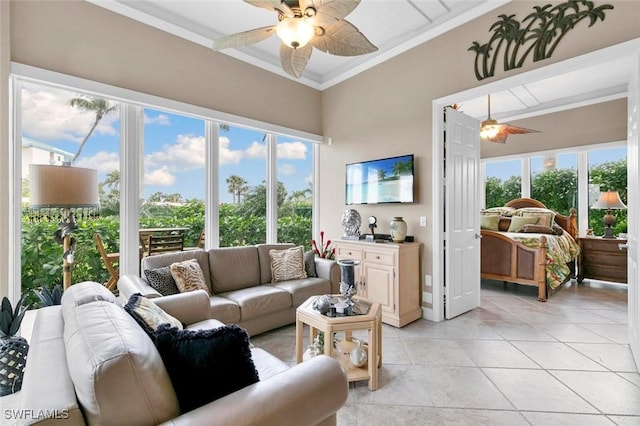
x=489 y=129
x=295 y=32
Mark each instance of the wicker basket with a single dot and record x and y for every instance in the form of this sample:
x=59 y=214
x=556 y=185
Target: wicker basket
x=13 y=359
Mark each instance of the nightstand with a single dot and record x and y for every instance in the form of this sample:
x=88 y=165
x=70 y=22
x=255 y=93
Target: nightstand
x=602 y=259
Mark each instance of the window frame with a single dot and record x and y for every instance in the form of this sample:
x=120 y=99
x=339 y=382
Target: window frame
x=131 y=118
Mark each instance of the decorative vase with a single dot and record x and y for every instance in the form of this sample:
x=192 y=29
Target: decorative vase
x=358 y=355
x=398 y=229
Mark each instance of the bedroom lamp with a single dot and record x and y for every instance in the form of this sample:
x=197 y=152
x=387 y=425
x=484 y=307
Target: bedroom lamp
x=609 y=200
x=60 y=193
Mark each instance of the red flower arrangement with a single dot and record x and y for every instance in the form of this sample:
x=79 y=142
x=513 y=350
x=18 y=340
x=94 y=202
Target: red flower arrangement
x=325 y=251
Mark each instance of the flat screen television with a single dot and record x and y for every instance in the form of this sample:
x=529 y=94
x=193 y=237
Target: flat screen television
x=388 y=180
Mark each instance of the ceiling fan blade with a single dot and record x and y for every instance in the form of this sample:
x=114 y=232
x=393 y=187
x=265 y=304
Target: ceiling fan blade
x=328 y=12
x=294 y=61
x=244 y=38
x=515 y=130
x=343 y=39
x=272 y=5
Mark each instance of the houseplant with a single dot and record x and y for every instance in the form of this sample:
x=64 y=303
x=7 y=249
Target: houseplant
x=13 y=349
x=49 y=297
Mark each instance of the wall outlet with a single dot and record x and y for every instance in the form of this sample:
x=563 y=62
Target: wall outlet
x=423 y=221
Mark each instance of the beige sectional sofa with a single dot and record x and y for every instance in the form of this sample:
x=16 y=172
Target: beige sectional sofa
x=91 y=363
x=239 y=281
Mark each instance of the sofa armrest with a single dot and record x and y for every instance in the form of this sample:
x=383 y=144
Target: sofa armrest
x=329 y=270
x=305 y=394
x=132 y=284
x=189 y=308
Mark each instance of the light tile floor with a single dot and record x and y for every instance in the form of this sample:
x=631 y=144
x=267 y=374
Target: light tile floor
x=512 y=361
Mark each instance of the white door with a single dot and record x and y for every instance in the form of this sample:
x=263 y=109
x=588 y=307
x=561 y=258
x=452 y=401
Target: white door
x=462 y=213
x=633 y=199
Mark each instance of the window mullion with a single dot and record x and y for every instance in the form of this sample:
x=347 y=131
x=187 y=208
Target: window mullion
x=272 y=189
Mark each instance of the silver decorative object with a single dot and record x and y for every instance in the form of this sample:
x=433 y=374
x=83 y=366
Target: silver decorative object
x=322 y=304
x=358 y=355
x=351 y=221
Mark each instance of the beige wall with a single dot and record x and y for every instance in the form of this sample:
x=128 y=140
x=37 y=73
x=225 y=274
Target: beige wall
x=387 y=110
x=600 y=123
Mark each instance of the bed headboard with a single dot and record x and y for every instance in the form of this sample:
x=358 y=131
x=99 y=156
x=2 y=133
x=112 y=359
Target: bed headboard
x=568 y=223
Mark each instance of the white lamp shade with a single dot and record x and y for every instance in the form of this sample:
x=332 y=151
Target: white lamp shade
x=609 y=200
x=63 y=186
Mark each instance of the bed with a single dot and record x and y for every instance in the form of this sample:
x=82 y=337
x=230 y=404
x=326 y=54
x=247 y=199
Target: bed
x=543 y=260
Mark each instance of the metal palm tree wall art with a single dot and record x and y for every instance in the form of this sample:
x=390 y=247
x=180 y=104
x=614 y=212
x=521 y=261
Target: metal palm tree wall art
x=538 y=34
x=303 y=25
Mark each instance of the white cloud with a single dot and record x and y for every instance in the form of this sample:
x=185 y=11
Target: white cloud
x=161 y=176
x=256 y=150
x=286 y=169
x=186 y=154
x=228 y=156
x=161 y=119
x=103 y=162
x=47 y=116
x=292 y=150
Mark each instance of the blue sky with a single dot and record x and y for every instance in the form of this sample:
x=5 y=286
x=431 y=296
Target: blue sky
x=505 y=169
x=173 y=146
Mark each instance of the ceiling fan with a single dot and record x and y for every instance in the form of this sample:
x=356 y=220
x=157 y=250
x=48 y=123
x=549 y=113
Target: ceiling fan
x=303 y=25
x=491 y=131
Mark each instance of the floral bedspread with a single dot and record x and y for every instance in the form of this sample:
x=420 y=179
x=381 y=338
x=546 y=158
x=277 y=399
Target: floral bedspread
x=561 y=249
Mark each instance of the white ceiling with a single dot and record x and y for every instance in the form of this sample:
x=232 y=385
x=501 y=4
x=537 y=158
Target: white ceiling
x=394 y=26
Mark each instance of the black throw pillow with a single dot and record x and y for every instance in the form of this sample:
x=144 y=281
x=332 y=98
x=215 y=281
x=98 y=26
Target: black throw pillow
x=310 y=263
x=162 y=280
x=205 y=365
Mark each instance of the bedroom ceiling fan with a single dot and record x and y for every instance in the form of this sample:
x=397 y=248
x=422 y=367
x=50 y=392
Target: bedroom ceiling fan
x=303 y=25
x=491 y=131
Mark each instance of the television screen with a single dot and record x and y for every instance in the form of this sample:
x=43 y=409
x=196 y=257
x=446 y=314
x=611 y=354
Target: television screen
x=388 y=180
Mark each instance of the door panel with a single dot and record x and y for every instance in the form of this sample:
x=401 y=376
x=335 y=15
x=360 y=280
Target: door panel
x=633 y=199
x=462 y=214
x=379 y=285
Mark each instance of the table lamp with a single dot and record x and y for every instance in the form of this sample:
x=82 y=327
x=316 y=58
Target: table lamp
x=63 y=191
x=608 y=201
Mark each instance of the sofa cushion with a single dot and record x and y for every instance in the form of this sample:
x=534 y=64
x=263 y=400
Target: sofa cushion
x=148 y=314
x=86 y=292
x=287 y=264
x=205 y=365
x=161 y=280
x=115 y=367
x=265 y=259
x=225 y=310
x=303 y=289
x=259 y=300
x=166 y=259
x=267 y=364
x=188 y=276
x=233 y=268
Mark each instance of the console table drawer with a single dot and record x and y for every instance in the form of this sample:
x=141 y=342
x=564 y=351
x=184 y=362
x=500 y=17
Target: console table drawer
x=602 y=244
x=377 y=257
x=348 y=253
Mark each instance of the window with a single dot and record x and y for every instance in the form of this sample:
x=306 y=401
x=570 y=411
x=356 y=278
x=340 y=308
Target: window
x=503 y=182
x=607 y=172
x=554 y=181
x=295 y=185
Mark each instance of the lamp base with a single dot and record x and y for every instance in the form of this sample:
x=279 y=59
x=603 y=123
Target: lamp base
x=608 y=233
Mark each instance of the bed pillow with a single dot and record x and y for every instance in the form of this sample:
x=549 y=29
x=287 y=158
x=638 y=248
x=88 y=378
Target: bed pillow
x=287 y=264
x=518 y=222
x=205 y=365
x=538 y=229
x=546 y=216
x=502 y=211
x=188 y=276
x=489 y=222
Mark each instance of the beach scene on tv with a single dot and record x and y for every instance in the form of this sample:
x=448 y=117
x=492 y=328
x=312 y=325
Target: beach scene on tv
x=388 y=180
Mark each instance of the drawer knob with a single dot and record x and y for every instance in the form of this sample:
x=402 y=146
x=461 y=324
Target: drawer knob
x=378 y=257
x=349 y=253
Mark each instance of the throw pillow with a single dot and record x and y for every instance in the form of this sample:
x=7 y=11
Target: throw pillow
x=538 y=229
x=149 y=315
x=546 y=216
x=489 y=222
x=287 y=264
x=161 y=280
x=188 y=276
x=205 y=365
x=518 y=222
x=310 y=263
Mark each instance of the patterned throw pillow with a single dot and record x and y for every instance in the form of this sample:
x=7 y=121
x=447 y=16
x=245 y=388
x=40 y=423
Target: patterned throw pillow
x=161 y=280
x=149 y=315
x=310 y=263
x=546 y=216
x=188 y=276
x=489 y=222
x=287 y=264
